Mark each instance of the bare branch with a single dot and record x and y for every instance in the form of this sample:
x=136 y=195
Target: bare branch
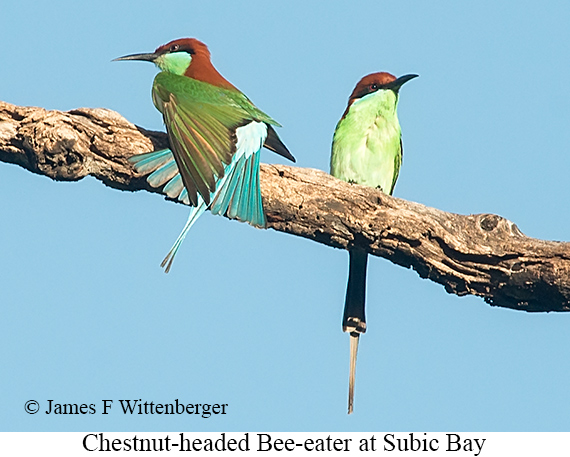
x=482 y=254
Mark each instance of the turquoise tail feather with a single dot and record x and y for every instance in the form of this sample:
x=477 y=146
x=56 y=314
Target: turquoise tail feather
x=163 y=170
x=175 y=186
x=240 y=195
x=195 y=213
x=257 y=202
x=184 y=197
x=164 y=174
x=150 y=161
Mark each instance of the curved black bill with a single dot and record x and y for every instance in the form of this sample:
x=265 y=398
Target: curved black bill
x=144 y=57
x=397 y=83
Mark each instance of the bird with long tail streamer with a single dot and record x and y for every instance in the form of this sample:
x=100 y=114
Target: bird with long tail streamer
x=215 y=133
x=367 y=150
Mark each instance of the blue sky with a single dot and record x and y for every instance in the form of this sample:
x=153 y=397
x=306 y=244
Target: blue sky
x=252 y=318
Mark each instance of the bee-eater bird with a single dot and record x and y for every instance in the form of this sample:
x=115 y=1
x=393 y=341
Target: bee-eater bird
x=367 y=150
x=215 y=134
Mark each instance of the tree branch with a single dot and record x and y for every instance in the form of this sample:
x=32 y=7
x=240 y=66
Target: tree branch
x=482 y=254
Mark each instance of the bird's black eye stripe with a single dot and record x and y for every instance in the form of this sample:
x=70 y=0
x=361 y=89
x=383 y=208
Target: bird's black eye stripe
x=180 y=48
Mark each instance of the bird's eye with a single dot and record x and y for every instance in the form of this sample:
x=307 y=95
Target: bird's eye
x=174 y=48
x=374 y=86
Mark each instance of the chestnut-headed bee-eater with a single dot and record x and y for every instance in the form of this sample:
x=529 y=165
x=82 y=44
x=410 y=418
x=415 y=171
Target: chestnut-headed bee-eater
x=367 y=150
x=215 y=134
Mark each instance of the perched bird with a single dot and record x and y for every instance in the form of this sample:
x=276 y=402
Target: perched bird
x=367 y=150
x=215 y=134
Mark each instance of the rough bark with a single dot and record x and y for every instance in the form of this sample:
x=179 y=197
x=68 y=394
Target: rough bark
x=481 y=254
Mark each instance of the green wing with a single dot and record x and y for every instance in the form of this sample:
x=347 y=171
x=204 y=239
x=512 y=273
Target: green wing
x=201 y=120
x=397 y=165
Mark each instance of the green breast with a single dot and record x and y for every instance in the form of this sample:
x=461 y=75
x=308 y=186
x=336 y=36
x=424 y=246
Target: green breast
x=366 y=145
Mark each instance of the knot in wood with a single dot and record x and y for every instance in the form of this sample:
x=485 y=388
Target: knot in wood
x=489 y=222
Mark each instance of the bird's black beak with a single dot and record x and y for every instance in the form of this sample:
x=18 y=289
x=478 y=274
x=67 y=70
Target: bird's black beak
x=397 y=83
x=145 y=57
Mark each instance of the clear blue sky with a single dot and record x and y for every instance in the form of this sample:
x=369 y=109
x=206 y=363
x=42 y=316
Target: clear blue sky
x=253 y=318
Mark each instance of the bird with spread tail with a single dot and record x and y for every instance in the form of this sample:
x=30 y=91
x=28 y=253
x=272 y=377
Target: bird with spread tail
x=366 y=150
x=215 y=134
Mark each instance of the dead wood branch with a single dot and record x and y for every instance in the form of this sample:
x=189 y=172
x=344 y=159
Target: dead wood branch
x=482 y=254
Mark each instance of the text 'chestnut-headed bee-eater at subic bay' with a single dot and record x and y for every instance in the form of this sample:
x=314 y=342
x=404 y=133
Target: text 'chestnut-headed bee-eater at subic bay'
x=367 y=150
x=215 y=134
